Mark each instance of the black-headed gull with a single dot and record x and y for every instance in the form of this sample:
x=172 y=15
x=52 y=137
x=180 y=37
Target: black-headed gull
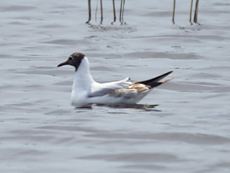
x=86 y=91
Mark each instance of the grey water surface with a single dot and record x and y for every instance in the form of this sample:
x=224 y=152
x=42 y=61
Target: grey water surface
x=189 y=130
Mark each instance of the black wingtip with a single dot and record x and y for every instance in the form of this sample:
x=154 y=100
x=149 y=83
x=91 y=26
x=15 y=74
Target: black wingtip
x=168 y=73
x=155 y=81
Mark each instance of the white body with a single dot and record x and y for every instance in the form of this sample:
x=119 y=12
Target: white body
x=86 y=91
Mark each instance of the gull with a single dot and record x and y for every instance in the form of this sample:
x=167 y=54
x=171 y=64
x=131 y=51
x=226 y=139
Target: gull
x=86 y=91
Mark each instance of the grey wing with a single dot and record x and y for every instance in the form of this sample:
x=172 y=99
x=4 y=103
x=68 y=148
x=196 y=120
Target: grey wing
x=101 y=92
x=107 y=88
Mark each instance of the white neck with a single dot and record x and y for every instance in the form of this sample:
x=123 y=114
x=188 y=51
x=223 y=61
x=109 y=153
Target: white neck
x=83 y=78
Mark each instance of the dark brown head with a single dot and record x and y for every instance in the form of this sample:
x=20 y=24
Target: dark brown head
x=74 y=60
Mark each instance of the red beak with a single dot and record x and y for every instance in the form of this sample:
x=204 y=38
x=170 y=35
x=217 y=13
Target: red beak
x=64 y=63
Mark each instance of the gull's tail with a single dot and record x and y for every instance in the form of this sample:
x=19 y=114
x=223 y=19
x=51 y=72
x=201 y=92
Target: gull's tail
x=154 y=82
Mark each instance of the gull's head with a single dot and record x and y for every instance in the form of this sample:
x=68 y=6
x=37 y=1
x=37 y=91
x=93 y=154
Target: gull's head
x=74 y=60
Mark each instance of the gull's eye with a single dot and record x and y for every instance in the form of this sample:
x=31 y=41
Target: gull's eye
x=70 y=58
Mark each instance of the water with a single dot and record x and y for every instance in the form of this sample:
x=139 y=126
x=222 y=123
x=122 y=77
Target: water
x=187 y=132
